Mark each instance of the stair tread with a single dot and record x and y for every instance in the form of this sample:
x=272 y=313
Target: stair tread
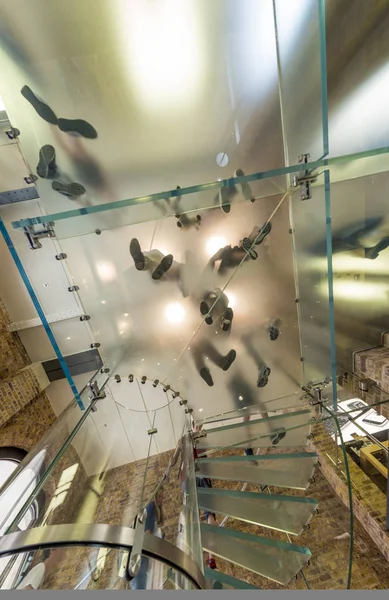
x=289 y=514
x=275 y=560
x=295 y=428
x=235 y=583
x=292 y=471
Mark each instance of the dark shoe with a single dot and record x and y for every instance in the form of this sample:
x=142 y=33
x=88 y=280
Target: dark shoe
x=43 y=109
x=263 y=377
x=204 y=309
x=72 y=190
x=137 y=254
x=226 y=319
x=249 y=452
x=224 y=200
x=46 y=167
x=206 y=375
x=373 y=253
x=79 y=127
x=229 y=359
x=273 y=330
x=262 y=233
x=163 y=266
x=278 y=436
x=246 y=189
x=247 y=247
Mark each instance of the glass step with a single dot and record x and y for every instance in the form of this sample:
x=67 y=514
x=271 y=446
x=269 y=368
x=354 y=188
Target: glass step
x=289 y=514
x=226 y=581
x=292 y=471
x=295 y=428
x=278 y=561
x=289 y=401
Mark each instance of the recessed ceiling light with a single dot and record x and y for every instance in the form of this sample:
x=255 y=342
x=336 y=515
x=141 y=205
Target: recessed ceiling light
x=126 y=314
x=68 y=338
x=200 y=410
x=240 y=398
x=175 y=313
x=103 y=302
x=214 y=244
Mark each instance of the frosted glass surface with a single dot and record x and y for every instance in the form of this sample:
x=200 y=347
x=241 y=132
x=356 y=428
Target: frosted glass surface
x=301 y=80
x=158 y=323
x=283 y=513
x=193 y=86
x=261 y=432
x=277 y=561
x=309 y=222
x=286 y=470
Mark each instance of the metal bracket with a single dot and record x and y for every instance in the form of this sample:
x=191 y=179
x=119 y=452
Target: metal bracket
x=304 y=179
x=12 y=133
x=183 y=402
x=199 y=434
x=151 y=431
x=97 y=394
x=33 y=236
x=31 y=178
x=188 y=411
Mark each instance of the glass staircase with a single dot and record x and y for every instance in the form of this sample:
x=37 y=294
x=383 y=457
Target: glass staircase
x=193 y=249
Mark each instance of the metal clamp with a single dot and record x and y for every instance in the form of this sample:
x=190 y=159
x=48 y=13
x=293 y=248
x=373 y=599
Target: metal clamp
x=12 y=133
x=33 y=236
x=97 y=394
x=304 y=179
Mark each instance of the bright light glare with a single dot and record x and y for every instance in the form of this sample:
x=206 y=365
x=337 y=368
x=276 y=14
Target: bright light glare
x=175 y=313
x=164 y=50
x=214 y=244
x=106 y=271
x=358 y=290
x=231 y=299
x=369 y=100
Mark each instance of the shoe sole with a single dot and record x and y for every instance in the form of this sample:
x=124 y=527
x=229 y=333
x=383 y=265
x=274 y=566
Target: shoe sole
x=79 y=126
x=206 y=375
x=137 y=255
x=73 y=190
x=264 y=234
x=43 y=109
x=204 y=309
x=163 y=267
x=277 y=437
x=273 y=334
x=246 y=189
x=231 y=356
x=225 y=206
x=46 y=167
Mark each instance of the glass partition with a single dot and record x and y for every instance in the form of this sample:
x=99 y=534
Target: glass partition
x=85 y=568
x=301 y=52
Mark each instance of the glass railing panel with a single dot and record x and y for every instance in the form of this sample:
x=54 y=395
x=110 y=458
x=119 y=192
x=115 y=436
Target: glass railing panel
x=283 y=430
x=278 y=561
x=301 y=49
x=360 y=243
x=31 y=471
x=227 y=69
x=312 y=282
x=289 y=514
x=279 y=470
